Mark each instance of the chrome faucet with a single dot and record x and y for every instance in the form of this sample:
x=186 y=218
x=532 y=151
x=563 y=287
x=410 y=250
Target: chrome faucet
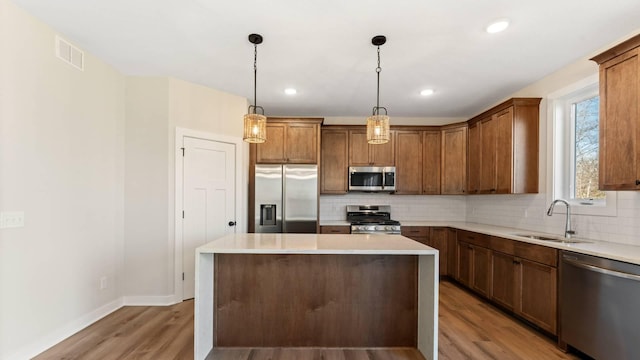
x=567 y=226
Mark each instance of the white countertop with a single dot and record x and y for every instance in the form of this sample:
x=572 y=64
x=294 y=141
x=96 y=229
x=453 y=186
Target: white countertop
x=614 y=251
x=316 y=244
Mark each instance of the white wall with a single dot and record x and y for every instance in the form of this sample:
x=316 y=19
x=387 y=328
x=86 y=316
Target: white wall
x=155 y=107
x=61 y=162
x=146 y=201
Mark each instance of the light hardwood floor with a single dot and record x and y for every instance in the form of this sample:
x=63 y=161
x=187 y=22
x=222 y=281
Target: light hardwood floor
x=469 y=329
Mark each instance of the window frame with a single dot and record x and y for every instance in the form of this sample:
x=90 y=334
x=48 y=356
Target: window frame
x=560 y=163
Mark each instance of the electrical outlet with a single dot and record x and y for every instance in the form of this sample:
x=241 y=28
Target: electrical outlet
x=103 y=283
x=11 y=219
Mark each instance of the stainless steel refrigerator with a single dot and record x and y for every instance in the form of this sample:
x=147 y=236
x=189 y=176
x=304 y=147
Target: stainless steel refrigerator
x=286 y=198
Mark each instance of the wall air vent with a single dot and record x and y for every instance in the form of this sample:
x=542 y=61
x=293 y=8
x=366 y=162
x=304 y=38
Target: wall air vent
x=69 y=53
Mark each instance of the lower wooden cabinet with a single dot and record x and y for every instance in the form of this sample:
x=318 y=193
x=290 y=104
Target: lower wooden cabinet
x=340 y=229
x=518 y=276
x=503 y=279
x=474 y=267
x=465 y=257
x=536 y=294
x=438 y=240
x=435 y=237
x=481 y=270
x=452 y=255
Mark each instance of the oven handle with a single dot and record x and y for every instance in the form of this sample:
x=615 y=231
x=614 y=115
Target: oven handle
x=600 y=270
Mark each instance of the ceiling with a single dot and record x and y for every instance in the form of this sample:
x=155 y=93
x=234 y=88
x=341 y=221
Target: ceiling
x=323 y=48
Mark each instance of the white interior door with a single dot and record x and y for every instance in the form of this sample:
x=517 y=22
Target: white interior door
x=209 y=199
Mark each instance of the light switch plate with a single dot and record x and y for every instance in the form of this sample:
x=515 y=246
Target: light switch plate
x=11 y=219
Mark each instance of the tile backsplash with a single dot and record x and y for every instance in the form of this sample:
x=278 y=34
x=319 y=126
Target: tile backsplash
x=403 y=207
x=527 y=212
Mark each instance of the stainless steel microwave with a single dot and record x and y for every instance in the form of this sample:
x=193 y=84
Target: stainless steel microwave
x=372 y=178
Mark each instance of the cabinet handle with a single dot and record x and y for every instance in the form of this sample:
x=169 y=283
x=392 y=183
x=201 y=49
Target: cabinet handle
x=493 y=190
x=516 y=262
x=469 y=247
x=637 y=182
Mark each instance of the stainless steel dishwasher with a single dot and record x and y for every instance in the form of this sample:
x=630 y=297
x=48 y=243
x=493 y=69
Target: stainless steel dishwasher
x=600 y=306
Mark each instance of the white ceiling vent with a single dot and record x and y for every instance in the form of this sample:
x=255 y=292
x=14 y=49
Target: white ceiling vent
x=69 y=53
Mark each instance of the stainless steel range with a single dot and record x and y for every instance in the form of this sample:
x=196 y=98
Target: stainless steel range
x=372 y=219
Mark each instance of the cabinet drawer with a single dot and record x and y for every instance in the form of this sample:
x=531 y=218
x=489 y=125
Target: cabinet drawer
x=474 y=238
x=538 y=253
x=505 y=246
x=415 y=231
x=335 y=229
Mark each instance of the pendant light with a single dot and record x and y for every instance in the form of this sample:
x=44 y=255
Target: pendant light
x=255 y=124
x=378 y=125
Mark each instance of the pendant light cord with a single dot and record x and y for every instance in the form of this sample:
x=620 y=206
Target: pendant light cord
x=255 y=75
x=378 y=71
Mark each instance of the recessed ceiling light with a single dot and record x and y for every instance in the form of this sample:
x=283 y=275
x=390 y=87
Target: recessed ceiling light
x=290 y=91
x=498 y=26
x=427 y=92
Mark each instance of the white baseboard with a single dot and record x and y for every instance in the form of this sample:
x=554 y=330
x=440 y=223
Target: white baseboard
x=164 y=300
x=45 y=342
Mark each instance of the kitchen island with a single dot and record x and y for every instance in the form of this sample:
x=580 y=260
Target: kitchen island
x=316 y=290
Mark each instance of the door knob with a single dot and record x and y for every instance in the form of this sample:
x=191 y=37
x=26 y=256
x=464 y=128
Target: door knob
x=232 y=223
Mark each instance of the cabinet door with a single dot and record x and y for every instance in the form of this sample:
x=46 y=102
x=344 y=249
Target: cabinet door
x=481 y=270
x=358 y=148
x=409 y=162
x=452 y=253
x=272 y=151
x=301 y=143
x=620 y=122
x=417 y=233
x=431 y=148
x=454 y=160
x=503 y=279
x=536 y=289
x=465 y=256
x=383 y=154
x=488 y=135
x=438 y=239
x=504 y=152
x=334 y=161
x=473 y=176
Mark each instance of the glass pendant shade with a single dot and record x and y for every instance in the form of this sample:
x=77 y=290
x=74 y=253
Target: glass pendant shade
x=378 y=129
x=255 y=128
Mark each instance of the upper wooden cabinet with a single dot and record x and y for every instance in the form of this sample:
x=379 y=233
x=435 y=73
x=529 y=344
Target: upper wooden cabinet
x=619 y=167
x=334 y=161
x=473 y=159
x=409 y=162
x=431 y=149
x=362 y=153
x=503 y=148
x=290 y=141
x=454 y=159
x=417 y=162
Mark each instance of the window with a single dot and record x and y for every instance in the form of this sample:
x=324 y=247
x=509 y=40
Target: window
x=575 y=151
x=584 y=150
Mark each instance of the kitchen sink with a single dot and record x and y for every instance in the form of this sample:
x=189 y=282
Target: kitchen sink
x=552 y=239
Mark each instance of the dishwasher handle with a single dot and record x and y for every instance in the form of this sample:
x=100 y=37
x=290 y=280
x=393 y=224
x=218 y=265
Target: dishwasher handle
x=600 y=270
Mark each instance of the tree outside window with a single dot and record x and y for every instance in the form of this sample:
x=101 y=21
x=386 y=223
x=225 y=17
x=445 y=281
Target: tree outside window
x=585 y=116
